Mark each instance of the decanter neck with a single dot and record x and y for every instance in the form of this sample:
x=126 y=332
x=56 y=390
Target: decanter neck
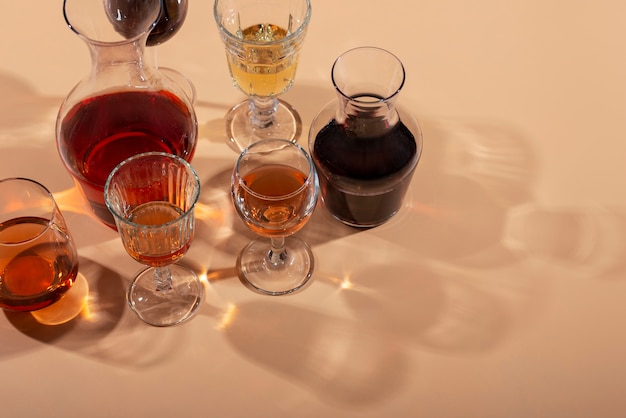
x=366 y=115
x=120 y=60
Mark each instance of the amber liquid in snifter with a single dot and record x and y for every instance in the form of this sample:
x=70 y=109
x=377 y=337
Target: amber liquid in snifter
x=34 y=274
x=273 y=204
x=263 y=70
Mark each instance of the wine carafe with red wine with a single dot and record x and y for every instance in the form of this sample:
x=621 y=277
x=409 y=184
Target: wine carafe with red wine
x=124 y=106
x=365 y=148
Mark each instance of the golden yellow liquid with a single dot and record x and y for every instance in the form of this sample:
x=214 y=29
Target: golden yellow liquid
x=263 y=70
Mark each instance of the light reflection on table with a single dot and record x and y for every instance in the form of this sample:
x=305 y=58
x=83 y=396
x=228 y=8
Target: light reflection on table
x=497 y=290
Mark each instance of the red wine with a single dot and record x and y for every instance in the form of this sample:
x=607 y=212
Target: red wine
x=100 y=132
x=363 y=180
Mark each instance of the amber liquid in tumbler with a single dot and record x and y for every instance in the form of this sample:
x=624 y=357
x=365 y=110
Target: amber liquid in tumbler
x=161 y=243
x=364 y=180
x=275 y=206
x=36 y=276
x=100 y=132
x=263 y=70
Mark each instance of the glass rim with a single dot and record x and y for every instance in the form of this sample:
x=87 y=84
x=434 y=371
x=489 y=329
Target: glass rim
x=357 y=99
x=135 y=157
x=52 y=212
x=299 y=30
x=310 y=176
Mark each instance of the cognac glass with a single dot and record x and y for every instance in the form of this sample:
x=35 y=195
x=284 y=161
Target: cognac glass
x=274 y=190
x=38 y=259
x=152 y=198
x=263 y=40
x=364 y=145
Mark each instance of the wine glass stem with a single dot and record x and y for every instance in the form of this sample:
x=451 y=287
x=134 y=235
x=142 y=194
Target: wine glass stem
x=277 y=254
x=162 y=278
x=262 y=110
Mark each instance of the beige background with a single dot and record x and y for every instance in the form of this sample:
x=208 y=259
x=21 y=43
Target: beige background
x=499 y=290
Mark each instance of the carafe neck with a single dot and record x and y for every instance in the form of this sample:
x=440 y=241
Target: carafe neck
x=367 y=115
x=122 y=61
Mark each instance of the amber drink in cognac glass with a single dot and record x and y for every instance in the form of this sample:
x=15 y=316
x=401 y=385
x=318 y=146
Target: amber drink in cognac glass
x=38 y=259
x=275 y=189
x=152 y=197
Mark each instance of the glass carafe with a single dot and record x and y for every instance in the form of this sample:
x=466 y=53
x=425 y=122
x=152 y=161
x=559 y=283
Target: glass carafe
x=365 y=148
x=125 y=106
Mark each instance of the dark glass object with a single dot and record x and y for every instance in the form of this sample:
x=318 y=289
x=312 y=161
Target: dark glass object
x=364 y=147
x=173 y=14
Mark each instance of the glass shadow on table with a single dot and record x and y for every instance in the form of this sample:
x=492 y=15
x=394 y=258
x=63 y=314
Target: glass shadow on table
x=344 y=361
x=27 y=121
x=90 y=310
x=105 y=330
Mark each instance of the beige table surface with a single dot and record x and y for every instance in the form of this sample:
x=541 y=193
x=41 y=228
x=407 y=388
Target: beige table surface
x=499 y=290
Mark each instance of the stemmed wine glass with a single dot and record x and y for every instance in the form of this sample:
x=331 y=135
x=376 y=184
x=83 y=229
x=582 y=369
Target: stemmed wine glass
x=152 y=198
x=274 y=190
x=263 y=41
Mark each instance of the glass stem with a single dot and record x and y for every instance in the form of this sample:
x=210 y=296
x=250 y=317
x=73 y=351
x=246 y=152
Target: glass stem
x=262 y=110
x=277 y=255
x=163 y=278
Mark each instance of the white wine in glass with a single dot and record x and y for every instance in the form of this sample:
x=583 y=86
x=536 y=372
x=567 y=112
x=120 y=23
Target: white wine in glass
x=263 y=41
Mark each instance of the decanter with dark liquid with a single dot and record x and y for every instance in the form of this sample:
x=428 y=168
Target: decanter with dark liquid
x=125 y=106
x=364 y=147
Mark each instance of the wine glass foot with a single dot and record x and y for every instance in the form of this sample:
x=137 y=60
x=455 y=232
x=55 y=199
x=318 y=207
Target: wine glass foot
x=241 y=133
x=258 y=274
x=169 y=307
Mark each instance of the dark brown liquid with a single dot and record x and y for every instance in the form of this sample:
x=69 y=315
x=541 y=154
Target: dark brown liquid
x=172 y=16
x=363 y=181
x=134 y=14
